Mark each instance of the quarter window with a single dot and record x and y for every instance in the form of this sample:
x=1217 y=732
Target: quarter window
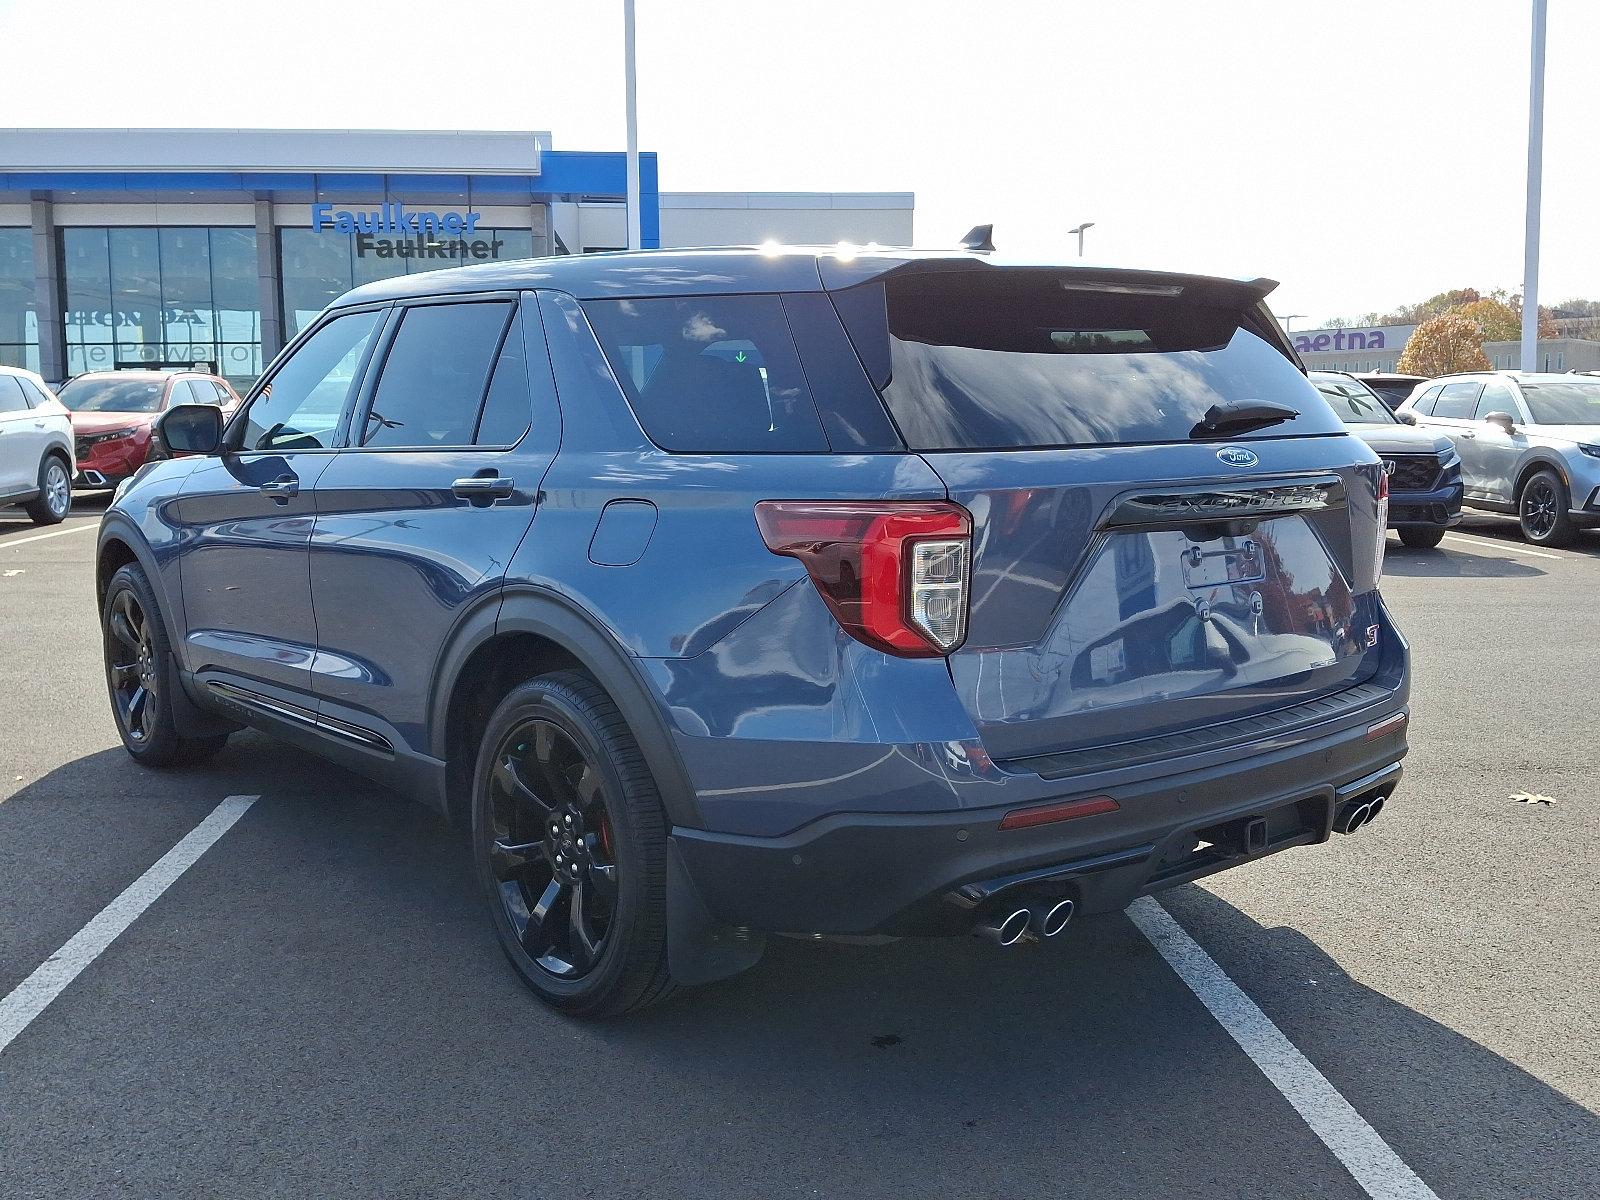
x=435 y=376
x=505 y=408
x=299 y=409
x=710 y=374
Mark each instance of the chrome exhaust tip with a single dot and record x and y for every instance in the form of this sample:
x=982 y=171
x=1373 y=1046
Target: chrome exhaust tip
x=94 y=479
x=1054 y=919
x=1353 y=818
x=1007 y=932
x=1374 y=809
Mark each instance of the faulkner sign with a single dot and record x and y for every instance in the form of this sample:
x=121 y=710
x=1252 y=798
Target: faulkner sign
x=394 y=231
x=1341 y=341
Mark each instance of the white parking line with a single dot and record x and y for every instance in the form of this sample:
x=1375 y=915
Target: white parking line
x=1375 y=1166
x=34 y=994
x=1476 y=541
x=39 y=537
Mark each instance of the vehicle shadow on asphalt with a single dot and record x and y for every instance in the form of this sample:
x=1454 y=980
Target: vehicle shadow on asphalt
x=1451 y=562
x=340 y=986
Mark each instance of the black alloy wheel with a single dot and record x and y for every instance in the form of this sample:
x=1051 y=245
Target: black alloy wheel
x=132 y=664
x=570 y=846
x=553 y=854
x=1542 y=510
x=140 y=679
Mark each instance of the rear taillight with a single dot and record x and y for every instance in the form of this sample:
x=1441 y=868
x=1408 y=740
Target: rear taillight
x=894 y=573
x=1383 y=522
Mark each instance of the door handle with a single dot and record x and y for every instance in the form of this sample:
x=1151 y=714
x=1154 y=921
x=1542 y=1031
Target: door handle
x=1468 y=434
x=282 y=489
x=484 y=487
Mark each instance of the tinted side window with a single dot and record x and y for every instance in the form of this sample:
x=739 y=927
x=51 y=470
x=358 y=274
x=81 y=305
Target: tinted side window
x=506 y=412
x=1425 y=401
x=435 y=375
x=713 y=374
x=1457 y=400
x=1496 y=397
x=299 y=408
x=31 y=390
x=11 y=397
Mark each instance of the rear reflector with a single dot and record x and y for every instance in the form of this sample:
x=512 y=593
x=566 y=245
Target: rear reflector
x=1046 y=814
x=1390 y=724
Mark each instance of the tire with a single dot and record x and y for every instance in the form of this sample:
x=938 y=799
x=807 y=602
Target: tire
x=1421 y=537
x=138 y=659
x=55 y=492
x=1542 y=510
x=564 y=813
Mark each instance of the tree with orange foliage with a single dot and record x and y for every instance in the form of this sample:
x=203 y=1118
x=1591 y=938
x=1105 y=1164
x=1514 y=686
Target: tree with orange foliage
x=1451 y=342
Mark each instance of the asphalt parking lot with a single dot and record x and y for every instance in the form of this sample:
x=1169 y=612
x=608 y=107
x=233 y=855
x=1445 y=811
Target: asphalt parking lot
x=317 y=1006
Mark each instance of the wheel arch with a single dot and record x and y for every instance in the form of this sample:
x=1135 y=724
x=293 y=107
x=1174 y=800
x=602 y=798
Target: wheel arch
x=529 y=632
x=1533 y=466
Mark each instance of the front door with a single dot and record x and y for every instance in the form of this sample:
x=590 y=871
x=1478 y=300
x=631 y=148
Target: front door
x=246 y=517
x=1453 y=416
x=1496 y=450
x=419 y=515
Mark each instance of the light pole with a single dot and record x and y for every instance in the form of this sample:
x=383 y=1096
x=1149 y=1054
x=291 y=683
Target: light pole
x=1079 y=231
x=1289 y=319
x=631 y=102
x=1530 y=261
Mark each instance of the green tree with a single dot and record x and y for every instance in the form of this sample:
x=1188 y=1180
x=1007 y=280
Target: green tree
x=1444 y=344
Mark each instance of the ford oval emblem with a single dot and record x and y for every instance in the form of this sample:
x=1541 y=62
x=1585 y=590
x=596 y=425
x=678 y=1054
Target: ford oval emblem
x=1238 y=456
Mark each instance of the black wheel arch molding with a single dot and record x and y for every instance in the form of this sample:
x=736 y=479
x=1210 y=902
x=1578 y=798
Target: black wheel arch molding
x=521 y=608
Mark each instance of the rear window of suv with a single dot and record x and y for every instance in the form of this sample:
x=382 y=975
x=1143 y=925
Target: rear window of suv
x=710 y=374
x=1014 y=359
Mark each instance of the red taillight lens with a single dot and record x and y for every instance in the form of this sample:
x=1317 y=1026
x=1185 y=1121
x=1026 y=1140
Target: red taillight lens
x=894 y=573
x=1383 y=522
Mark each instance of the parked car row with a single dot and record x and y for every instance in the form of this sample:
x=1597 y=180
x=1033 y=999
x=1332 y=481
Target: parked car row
x=113 y=416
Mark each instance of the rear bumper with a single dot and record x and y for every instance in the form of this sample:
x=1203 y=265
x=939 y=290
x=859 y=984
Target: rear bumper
x=938 y=873
x=1440 y=507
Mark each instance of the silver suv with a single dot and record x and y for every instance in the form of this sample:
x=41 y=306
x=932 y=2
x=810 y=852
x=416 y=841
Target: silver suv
x=1529 y=445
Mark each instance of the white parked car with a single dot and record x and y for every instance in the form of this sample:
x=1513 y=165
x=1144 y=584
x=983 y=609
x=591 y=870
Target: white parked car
x=36 y=451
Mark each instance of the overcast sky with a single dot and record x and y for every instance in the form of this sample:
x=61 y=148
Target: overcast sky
x=1365 y=153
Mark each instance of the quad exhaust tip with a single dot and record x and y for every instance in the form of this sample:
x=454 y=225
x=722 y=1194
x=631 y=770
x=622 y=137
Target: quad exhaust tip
x=1054 y=919
x=1009 y=931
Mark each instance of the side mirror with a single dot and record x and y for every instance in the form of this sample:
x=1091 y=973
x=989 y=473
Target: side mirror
x=1408 y=417
x=190 y=429
x=1503 y=420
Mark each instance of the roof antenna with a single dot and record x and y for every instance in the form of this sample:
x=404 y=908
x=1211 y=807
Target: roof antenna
x=979 y=237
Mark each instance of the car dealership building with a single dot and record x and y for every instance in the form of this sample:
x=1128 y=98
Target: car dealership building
x=176 y=247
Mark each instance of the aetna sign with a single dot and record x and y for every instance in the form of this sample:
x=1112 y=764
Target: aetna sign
x=1322 y=341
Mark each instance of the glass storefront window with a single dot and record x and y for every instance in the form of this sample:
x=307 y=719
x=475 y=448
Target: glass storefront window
x=319 y=266
x=19 y=321
x=182 y=296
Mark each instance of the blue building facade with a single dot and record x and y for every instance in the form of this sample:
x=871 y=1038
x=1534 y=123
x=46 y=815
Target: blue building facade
x=122 y=248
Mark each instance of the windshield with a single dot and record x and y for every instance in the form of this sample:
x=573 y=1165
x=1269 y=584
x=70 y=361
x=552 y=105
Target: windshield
x=1354 y=402
x=114 y=395
x=1563 y=403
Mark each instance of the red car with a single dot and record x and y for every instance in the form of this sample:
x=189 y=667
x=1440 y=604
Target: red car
x=113 y=413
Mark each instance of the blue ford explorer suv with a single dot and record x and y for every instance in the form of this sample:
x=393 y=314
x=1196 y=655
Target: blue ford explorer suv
x=725 y=594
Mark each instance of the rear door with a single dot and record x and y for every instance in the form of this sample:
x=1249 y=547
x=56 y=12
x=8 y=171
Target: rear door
x=245 y=516
x=417 y=517
x=1136 y=570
